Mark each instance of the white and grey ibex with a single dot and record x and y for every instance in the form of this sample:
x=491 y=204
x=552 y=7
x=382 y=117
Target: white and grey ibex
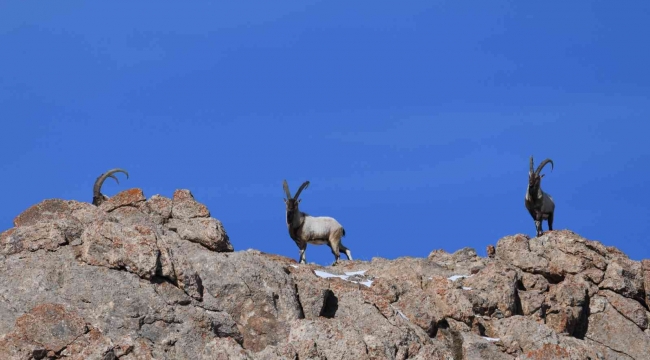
x=318 y=230
x=98 y=197
x=540 y=205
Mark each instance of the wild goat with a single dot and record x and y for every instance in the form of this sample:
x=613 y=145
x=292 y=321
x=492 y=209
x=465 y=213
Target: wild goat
x=317 y=230
x=540 y=205
x=98 y=197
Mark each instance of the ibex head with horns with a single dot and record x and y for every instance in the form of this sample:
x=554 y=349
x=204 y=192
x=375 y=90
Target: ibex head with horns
x=534 y=178
x=292 y=202
x=98 y=197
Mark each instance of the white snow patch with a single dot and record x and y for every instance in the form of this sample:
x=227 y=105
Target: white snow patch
x=490 y=339
x=327 y=275
x=366 y=283
x=296 y=266
x=351 y=273
x=456 y=277
x=345 y=277
x=467 y=288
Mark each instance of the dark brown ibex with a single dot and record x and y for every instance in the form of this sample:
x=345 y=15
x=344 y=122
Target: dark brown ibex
x=318 y=230
x=540 y=205
x=98 y=197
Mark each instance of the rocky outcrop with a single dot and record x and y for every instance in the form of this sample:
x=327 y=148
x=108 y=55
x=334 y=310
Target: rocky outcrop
x=158 y=278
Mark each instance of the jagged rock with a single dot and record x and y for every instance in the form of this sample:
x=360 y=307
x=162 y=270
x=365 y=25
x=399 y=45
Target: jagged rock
x=464 y=261
x=566 y=304
x=158 y=278
x=45 y=328
x=645 y=266
x=185 y=207
x=493 y=290
x=129 y=197
x=208 y=232
x=625 y=277
x=476 y=347
x=46 y=235
x=160 y=208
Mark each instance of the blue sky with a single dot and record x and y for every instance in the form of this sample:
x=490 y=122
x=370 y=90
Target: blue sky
x=412 y=120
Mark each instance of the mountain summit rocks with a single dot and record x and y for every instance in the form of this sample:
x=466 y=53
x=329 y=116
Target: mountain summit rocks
x=158 y=278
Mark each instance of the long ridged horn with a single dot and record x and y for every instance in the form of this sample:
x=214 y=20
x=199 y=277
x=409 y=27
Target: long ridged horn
x=286 y=189
x=541 y=165
x=531 y=164
x=302 y=187
x=100 y=180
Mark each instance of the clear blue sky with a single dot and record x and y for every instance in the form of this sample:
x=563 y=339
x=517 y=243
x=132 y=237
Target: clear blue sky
x=413 y=120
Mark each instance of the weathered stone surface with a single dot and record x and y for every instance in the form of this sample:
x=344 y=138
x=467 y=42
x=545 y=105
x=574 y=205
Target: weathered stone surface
x=132 y=248
x=464 y=261
x=553 y=255
x=476 y=347
x=625 y=277
x=160 y=208
x=130 y=197
x=208 y=232
x=46 y=328
x=185 y=207
x=566 y=305
x=46 y=235
x=631 y=309
x=531 y=302
x=493 y=290
x=158 y=279
x=46 y=210
x=610 y=328
x=645 y=265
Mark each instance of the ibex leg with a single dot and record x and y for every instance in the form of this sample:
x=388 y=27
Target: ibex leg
x=334 y=245
x=346 y=251
x=550 y=222
x=302 y=254
x=538 y=223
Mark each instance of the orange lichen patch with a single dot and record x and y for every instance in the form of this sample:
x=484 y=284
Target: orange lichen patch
x=124 y=198
x=378 y=301
x=51 y=326
x=548 y=352
x=279 y=258
x=50 y=209
x=5 y=234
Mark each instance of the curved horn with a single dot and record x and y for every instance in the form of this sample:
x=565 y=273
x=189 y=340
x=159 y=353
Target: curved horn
x=531 y=164
x=286 y=189
x=302 y=187
x=100 y=180
x=541 y=165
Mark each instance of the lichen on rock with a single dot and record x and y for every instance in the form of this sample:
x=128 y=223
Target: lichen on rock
x=158 y=278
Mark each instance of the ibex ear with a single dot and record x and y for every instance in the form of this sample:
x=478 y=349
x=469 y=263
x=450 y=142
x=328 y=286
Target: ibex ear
x=299 y=200
x=542 y=176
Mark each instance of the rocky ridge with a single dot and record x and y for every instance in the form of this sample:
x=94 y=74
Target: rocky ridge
x=158 y=278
